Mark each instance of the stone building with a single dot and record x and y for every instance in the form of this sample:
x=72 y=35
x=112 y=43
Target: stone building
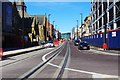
x=86 y=27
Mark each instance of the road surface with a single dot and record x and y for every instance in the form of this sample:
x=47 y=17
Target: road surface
x=64 y=61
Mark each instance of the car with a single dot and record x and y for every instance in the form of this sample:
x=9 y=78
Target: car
x=76 y=42
x=83 y=45
x=49 y=44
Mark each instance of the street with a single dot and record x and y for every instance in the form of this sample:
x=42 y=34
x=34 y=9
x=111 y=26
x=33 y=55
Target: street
x=64 y=61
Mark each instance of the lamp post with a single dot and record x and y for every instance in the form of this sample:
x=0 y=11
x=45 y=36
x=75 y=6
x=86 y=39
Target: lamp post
x=77 y=29
x=81 y=25
x=48 y=26
x=53 y=23
x=56 y=32
x=23 y=24
x=53 y=31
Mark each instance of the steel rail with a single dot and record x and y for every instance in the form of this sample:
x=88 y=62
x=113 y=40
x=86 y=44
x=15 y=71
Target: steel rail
x=65 y=62
x=40 y=65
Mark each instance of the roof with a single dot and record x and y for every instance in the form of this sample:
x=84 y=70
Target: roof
x=86 y=18
x=20 y=2
x=25 y=14
x=41 y=19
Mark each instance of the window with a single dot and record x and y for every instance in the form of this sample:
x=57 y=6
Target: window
x=118 y=23
x=117 y=9
x=111 y=14
x=111 y=26
x=100 y=22
x=105 y=5
x=100 y=10
x=105 y=18
x=110 y=2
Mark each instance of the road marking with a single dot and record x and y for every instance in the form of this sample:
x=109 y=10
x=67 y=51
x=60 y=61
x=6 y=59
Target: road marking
x=94 y=75
x=57 y=72
x=38 y=71
x=31 y=71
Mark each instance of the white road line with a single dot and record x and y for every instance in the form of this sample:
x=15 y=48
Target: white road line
x=94 y=75
x=65 y=75
x=38 y=71
x=30 y=71
x=61 y=64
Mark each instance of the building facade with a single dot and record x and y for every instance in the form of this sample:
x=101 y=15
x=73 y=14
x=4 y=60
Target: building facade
x=105 y=24
x=0 y=24
x=85 y=28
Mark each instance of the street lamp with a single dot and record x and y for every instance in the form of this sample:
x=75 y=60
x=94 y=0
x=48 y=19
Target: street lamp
x=81 y=25
x=23 y=24
x=53 y=23
x=56 y=35
x=77 y=29
x=56 y=27
x=48 y=25
x=81 y=18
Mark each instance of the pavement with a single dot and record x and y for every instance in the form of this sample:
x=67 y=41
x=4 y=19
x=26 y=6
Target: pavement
x=20 y=51
x=102 y=51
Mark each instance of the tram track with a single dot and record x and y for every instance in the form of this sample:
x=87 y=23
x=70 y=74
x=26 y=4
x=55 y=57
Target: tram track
x=64 y=63
x=33 y=71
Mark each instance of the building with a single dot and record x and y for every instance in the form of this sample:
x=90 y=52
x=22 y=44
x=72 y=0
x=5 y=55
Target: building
x=25 y=18
x=41 y=22
x=66 y=36
x=86 y=30
x=0 y=25
x=7 y=35
x=14 y=31
x=73 y=33
x=105 y=24
x=51 y=31
x=22 y=8
x=76 y=32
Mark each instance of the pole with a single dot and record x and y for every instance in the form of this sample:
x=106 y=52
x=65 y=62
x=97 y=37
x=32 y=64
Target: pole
x=23 y=24
x=81 y=25
x=48 y=26
x=56 y=32
x=53 y=30
x=77 y=29
x=81 y=18
x=53 y=23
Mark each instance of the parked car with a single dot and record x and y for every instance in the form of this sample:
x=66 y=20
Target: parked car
x=83 y=45
x=49 y=44
x=76 y=42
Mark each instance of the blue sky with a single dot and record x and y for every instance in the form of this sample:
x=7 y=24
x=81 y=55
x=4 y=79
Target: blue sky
x=64 y=14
